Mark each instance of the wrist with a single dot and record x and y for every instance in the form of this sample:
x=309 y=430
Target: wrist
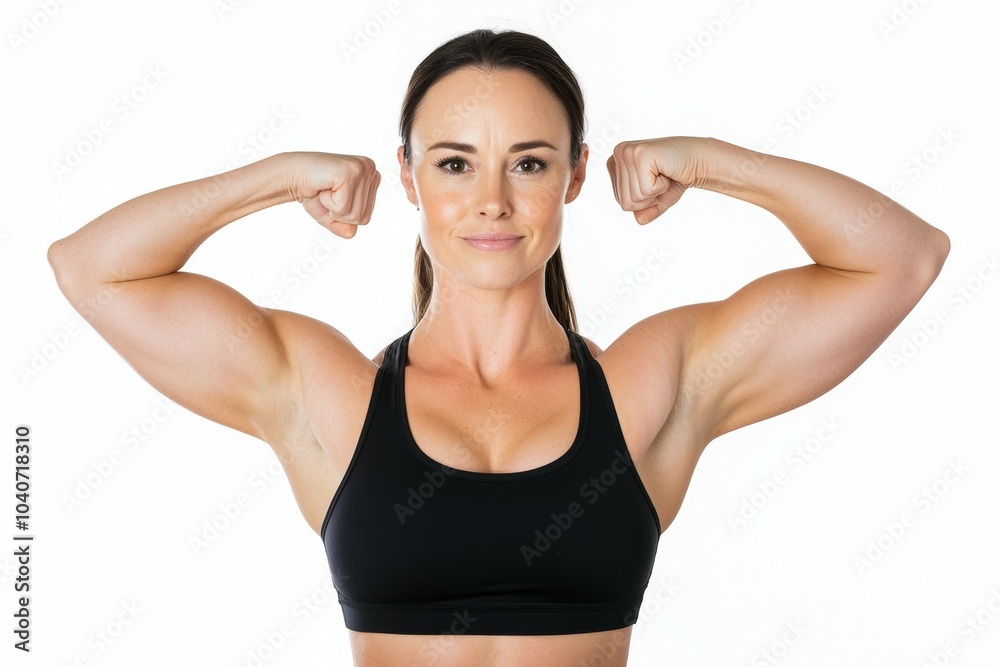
x=228 y=196
x=279 y=177
x=733 y=170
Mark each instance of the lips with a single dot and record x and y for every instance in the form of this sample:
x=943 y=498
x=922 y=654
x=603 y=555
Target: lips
x=491 y=236
x=493 y=240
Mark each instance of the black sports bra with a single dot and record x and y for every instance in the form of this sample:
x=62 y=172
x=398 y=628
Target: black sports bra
x=417 y=547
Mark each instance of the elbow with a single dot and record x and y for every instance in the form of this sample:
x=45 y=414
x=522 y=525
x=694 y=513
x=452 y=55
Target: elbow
x=58 y=258
x=55 y=257
x=925 y=268
x=943 y=247
x=940 y=246
x=54 y=253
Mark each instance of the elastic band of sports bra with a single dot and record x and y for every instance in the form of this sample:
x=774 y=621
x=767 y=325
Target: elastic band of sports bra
x=476 y=618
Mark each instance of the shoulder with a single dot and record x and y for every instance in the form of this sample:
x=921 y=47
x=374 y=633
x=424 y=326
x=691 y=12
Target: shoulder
x=328 y=369
x=659 y=338
x=308 y=341
x=644 y=369
x=595 y=350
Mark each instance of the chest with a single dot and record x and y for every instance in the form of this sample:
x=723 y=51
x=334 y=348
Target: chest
x=524 y=424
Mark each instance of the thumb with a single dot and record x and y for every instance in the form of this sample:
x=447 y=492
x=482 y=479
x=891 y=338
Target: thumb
x=337 y=202
x=660 y=203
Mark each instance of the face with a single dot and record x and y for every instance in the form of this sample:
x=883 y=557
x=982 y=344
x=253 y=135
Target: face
x=490 y=153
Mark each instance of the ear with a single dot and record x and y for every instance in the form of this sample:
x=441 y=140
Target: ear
x=406 y=177
x=579 y=174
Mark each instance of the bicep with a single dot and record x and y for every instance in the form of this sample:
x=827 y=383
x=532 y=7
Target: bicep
x=786 y=339
x=197 y=341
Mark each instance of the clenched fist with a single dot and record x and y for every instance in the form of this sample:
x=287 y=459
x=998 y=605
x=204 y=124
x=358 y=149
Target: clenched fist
x=649 y=176
x=338 y=191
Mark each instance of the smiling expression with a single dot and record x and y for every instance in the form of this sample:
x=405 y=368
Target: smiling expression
x=490 y=155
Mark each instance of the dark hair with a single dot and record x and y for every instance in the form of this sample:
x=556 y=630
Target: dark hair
x=491 y=51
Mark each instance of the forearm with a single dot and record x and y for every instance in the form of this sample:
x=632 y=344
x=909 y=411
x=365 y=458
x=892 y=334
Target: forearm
x=155 y=234
x=840 y=222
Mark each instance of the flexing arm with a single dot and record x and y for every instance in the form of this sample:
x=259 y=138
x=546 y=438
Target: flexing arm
x=193 y=338
x=790 y=336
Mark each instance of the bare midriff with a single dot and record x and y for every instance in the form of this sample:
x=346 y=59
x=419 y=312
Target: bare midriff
x=606 y=649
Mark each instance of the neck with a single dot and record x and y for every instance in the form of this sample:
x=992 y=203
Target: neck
x=489 y=332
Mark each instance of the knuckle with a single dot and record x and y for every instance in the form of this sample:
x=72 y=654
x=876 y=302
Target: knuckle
x=365 y=166
x=354 y=168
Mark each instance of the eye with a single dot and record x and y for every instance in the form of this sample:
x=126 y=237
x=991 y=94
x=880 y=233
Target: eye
x=537 y=164
x=449 y=162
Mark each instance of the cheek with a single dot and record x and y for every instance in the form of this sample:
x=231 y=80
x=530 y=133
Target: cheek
x=441 y=199
x=541 y=201
x=446 y=204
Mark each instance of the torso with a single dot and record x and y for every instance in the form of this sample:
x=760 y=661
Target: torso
x=458 y=436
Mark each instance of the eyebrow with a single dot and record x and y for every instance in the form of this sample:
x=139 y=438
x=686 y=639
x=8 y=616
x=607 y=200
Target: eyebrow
x=516 y=148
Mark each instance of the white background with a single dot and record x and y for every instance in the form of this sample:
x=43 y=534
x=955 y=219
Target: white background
x=726 y=594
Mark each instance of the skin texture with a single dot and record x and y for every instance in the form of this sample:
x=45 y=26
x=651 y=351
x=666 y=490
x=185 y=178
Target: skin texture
x=488 y=314
x=488 y=344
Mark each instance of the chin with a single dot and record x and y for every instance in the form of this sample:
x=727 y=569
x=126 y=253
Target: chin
x=486 y=278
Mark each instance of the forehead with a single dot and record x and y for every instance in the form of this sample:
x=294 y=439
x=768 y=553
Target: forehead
x=469 y=103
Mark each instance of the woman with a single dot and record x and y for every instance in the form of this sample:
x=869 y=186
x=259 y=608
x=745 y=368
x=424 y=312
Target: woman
x=491 y=486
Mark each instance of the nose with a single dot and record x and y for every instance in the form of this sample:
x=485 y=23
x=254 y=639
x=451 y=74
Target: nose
x=494 y=197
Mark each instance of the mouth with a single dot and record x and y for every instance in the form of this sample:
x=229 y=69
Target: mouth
x=491 y=236
x=492 y=240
